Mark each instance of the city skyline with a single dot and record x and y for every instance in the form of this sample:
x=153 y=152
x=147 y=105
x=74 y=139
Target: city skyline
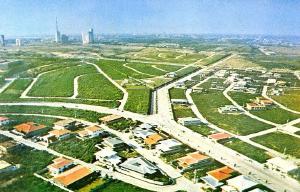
x=150 y=17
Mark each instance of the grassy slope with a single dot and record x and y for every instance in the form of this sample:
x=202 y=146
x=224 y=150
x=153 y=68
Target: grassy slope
x=291 y=99
x=138 y=100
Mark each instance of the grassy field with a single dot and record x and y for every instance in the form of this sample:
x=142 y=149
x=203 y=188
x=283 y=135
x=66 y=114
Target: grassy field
x=181 y=111
x=59 y=83
x=202 y=129
x=146 y=68
x=138 y=100
x=80 y=149
x=280 y=142
x=176 y=93
x=59 y=111
x=275 y=114
x=208 y=104
x=290 y=99
x=168 y=68
x=213 y=59
x=119 y=186
x=96 y=86
x=248 y=150
x=23 y=180
x=15 y=90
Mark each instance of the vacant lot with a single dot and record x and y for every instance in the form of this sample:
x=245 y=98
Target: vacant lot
x=181 y=111
x=138 y=100
x=59 y=83
x=280 y=142
x=176 y=93
x=290 y=99
x=146 y=68
x=96 y=86
x=15 y=89
x=202 y=129
x=248 y=150
x=208 y=104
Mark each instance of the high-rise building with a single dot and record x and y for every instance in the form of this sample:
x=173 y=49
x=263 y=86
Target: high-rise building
x=2 y=41
x=64 y=38
x=57 y=34
x=18 y=42
x=91 y=36
x=88 y=38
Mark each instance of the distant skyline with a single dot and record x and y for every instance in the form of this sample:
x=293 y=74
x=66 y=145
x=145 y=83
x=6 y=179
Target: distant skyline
x=37 y=17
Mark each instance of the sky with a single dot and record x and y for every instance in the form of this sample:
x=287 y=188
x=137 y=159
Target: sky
x=37 y=17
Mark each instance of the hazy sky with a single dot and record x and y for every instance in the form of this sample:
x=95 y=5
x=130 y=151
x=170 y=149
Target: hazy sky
x=24 y=17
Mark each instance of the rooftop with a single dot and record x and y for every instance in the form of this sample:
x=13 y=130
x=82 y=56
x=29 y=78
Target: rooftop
x=241 y=183
x=140 y=165
x=110 y=118
x=4 y=164
x=285 y=165
x=221 y=173
x=64 y=122
x=191 y=158
x=60 y=132
x=153 y=139
x=220 y=136
x=29 y=127
x=4 y=118
x=60 y=162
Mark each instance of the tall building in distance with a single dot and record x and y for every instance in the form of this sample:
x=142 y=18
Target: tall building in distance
x=18 y=42
x=57 y=34
x=2 y=40
x=88 y=38
x=64 y=38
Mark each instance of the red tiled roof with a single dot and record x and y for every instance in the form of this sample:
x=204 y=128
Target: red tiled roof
x=221 y=173
x=4 y=118
x=191 y=158
x=60 y=162
x=60 y=132
x=220 y=136
x=29 y=127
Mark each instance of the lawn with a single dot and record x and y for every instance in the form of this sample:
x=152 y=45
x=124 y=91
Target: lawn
x=214 y=59
x=123 y=124
x=177 y=93
x=181 y=111
x=248 y=150
x=185 y=71
x=169 y=158
x=146 y=68
x=79 y=149
x=22 y=180
x=280 y=142
x=118 y=186
x=290 y=99
x=59 y=83
x=208 y=104
x=202 y=129
x=168 y=68
x=96 y=86
x=138 y=100
x=59 y=111
x=274 y=114
x=15 y=89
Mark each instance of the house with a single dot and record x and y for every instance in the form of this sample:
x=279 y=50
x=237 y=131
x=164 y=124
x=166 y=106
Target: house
x=4 y=121
x=241 y=183
x=139 y=165
x=171 y=75
x=91 y=132
x=108 y=156
x=216 y=178
x=180 y=85
x=254 y=106
x=197 y=89
x=30 y=128
x=72 y=176
x=271 y=81
x=147 y=126
x=221 y=73
x=114 y=143
x=67 y=124
x=8 y=146
x=59 y=165
x=60 y=134
x=153 y=139
x=110 y=119
x=282 y=165
x=229 y=109
x=180 y=101
x=220 y=137
x=186 y=121
x=6 y=167
x=168 y=146
x=263 y=101
x=192 y=161
x=141 y=133
x=281 y=83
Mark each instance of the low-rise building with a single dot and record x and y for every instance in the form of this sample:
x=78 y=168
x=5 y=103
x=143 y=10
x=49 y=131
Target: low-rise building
x=72 y=177
x=108 y=156
x=68 y=124
x=30 y=128
x=254 y=106
x=91 y=132
x=168 y=146
x=59 y=165
x=153 y=139
x=263 y=101
x=139 y=165
x=180 y=101
x=192 y=161
x=281 y=165
x=241 y=183
x=229 y=109
x=114 y=143
x=60 y=134
x=8 y=146
x=142 y=133
x=4 y=121
x=220 y=137
x=216 y=178
x=271 y=81
x=6 y=167
x=186 y=121
x=110 y=119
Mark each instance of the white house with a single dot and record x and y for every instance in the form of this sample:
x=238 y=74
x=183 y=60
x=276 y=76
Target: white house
x=241 y=183
x=139 y=165
x=142 y=133
x=186 y=121
x=59 y=165
x=91 y=132
x=282 y=165
x=168 y=146
x=180 y=101
x=108 y=156
x=4 y=121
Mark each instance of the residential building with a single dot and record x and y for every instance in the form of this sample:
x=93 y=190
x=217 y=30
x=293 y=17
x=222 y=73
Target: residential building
x=229 y=109
x=59 y=165
x=60 y=133
x=153 y=139
x=68 y=124
x=263 y=101
x=186 y=121
x=72 y=176
x=8 y=146
x=30 y=128
x=114 y=143
x=147 y=126
x=139 y=165
x=18 y=42
x=281 y=165
x=220 y=137
x=141 y=133
x=91 y=132
x=110 y=119
x=171 y=75
x=241 y=183
x=221 y=73
x=108 y=156
x=192 y=161
x=180 y=101
x=271 y=81
x=6 y=167
x=216 y=178
x=168 y=146
x=254 y=106
x=4 y=121
x=2 y=41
